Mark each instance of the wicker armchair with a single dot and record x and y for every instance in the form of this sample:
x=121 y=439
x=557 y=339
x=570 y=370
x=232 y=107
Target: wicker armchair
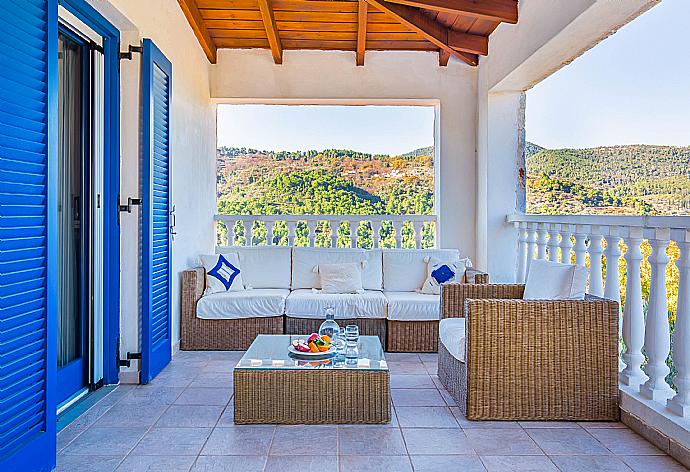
x=531 y=360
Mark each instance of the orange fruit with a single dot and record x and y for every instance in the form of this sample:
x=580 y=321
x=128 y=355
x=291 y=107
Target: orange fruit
x=324 y=347
x=326 y=338
x=313 y=347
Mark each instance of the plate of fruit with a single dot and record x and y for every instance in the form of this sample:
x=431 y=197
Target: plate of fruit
x=314 y=346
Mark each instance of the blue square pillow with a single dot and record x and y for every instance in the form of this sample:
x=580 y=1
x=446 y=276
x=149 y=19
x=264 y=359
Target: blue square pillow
x=223 y=273
x=442 y=272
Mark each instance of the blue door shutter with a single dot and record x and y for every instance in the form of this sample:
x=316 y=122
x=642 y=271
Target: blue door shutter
x=28 y=118
x=156 y=253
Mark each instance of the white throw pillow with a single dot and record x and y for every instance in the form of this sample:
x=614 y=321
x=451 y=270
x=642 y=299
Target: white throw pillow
x=442 y=272
x=223 y=273
x=554 y=281
x=341 y=278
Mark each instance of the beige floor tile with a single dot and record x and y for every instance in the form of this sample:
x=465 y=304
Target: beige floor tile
x=87 y=463
x=239 y=441
x=502 y=442
x=590 y=464
x=417 y=397
x=566 y=441
x=370 y=441
x=156 y=464
x=653 y=463
x=426 y=417
x=317 y=463
x=172 y=442
x=303 y=440
x=624 y=441
x=116 y=441
x=436 y=441
x=190 y=416
x=518 y=464
x=229 y=463
x=411 y=381
x=464 y=463
x=375 y=464
x=205 y=396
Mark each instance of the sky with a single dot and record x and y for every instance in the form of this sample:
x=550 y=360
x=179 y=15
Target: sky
x=373 y=129
x=632 y=88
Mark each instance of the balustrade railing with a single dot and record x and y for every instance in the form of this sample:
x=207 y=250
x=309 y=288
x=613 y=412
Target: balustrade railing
x=649 y=329
x=363 y=231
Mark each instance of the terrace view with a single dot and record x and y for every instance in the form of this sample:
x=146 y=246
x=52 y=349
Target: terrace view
x=352 y=235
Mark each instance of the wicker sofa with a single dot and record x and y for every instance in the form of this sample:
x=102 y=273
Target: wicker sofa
x=281 y=298
x=514 y=359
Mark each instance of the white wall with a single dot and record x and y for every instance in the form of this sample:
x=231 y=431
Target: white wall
x=313 y=76
x=193 y=130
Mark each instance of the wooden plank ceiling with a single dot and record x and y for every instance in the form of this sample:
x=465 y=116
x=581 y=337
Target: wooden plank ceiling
x=458 y=28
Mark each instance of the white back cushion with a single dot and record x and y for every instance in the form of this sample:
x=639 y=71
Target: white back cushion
x=304 y=259
x=554 y=281
x=405 y=270
x=263 y=266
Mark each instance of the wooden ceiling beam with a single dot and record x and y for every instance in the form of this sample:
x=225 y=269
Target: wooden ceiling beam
x=361 y=31
x=495 y=10
x=271 y=30
x=191 y=11
x=472 y=43
x=417 y=21
x=443 y=58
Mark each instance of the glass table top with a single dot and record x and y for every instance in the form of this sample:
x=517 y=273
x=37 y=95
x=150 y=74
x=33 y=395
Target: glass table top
x=270 y=351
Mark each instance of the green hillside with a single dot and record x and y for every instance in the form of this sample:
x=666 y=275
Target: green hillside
x=633 y=179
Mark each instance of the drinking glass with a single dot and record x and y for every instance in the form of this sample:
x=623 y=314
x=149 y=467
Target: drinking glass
x=352 y=333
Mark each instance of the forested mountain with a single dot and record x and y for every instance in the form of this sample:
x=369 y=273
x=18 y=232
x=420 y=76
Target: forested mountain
x=333 y=181
x=632 y=179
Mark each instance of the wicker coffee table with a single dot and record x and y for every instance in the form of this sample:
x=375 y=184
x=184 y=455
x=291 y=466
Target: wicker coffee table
x=273 y=388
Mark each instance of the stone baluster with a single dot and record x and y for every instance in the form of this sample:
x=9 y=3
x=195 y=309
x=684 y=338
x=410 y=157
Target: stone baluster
x=230 y=225
x=354 y=226
x=531 y=244
x=612 y=288
x=542 y=231
x=335 y=226
x=270 y=225
x=680 y=404
x=522 y=253
x=311 y=227
x=376 y=233
x=418 y=226
x=580 y=245
x=292 y=226
x=397 y=226
x=633 y=316
x=248 y=232
x=566 y=243
x=657 y=335
x=553 y=243
x=596 y=285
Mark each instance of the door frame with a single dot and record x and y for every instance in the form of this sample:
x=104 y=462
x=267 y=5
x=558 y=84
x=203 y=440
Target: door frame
x=111 y=227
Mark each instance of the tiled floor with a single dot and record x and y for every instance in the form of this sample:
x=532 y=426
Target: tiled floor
x=183 y=421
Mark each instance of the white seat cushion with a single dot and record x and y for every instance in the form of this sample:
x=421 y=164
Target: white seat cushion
x=303 y=303
x=405 y=270
x=260 y=302
x=263 y=266
x=304 y=259
x=452 y=334
x=413 y=306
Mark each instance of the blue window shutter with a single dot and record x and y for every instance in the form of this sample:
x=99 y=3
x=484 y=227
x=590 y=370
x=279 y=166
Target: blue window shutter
x=156 y=247
x=28 y=145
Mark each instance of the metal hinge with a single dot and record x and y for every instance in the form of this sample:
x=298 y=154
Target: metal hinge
x=130 y=202
x=130 y=50
x=130 y=356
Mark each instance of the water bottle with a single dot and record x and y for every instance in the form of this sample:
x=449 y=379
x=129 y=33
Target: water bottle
x=329 y=327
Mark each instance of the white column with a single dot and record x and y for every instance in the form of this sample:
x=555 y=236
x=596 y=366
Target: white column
x=542 y=231
x=335 y=225
x=397 y=226
x=291 y=225
x=311 y=228
x=612 y=289
x=596 y=285
x=230 y=225
x=270 y=225
x=553 y=243
x=680 y=404
x=657 y=335
x=531 y=243
x=522 y=253
x=633 y=317
x=354 y=226
x=376 y=233
x=580 y=245
x=418 y=225
x=566 y=243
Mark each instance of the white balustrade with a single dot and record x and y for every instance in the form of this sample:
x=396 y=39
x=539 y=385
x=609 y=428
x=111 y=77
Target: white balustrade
x=522 y=252
x=657 y=336
x=633 y=315
x=646 y=339
x=311 y=225
x=542 y=231
x=553 y=245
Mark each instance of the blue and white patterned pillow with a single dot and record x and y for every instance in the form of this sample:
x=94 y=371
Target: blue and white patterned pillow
x=441 y=272
x=223 y=273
